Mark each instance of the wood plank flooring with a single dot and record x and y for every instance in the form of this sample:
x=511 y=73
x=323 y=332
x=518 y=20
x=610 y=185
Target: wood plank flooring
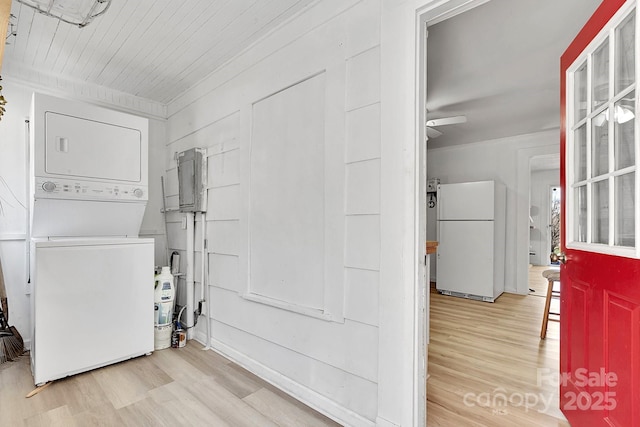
x=478 y=352
x=482 y=353
x=172 y=387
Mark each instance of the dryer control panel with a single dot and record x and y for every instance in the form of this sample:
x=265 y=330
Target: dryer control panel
x=87 y=190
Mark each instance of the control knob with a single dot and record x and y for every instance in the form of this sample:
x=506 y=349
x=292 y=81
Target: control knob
x=138 y=192
x=49 y=186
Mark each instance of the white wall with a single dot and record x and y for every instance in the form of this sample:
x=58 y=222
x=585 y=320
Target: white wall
x=541 y=183
x=323 y=350
x=358 y=363
x=505 y=160
x=13 y=214
x=13 y=192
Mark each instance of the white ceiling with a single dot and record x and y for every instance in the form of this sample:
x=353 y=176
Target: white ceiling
x=154 y=49
x=499 y=64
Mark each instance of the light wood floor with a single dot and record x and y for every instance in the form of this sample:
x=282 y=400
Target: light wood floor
x=481 y=351
x=477 y=351
x=172 y=387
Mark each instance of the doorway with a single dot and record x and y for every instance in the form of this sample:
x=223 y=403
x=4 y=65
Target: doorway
x=554 y=219
x=544 y=207
x=475 y=164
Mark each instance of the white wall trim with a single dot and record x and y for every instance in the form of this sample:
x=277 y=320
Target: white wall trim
x=381 y=422
x=450 y=9
x=12 y=237
x=399 y=386
x=321 y=314
x=95 y=94
x=422 y=300
x=307 y=396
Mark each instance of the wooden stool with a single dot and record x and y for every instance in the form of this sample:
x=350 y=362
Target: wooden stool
x=552 y=276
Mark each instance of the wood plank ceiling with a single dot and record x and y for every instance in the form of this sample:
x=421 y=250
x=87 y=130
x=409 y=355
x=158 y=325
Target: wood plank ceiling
x=154 y=49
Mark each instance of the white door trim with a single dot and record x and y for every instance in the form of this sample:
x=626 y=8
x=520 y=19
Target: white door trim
x=403 y=275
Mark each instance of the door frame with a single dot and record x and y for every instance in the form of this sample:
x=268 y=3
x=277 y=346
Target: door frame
x=553 y=157
x=402 y=328
x=430 y=13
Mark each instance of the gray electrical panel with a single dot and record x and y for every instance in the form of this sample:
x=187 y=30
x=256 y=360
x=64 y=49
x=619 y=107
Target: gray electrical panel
x=192 y=180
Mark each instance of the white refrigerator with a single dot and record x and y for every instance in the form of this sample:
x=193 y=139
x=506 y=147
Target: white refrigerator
x=471 y=239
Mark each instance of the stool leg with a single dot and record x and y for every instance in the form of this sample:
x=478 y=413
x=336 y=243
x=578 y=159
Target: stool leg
x=547 y=305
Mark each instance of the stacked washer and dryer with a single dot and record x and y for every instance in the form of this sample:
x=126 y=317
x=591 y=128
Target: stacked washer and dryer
x=91 y=275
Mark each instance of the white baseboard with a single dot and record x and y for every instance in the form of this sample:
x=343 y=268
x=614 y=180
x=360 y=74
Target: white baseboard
x=381 y=422
x=201 y=337
x=304 y=394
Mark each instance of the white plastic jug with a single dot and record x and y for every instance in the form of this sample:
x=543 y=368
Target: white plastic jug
x=164 y=297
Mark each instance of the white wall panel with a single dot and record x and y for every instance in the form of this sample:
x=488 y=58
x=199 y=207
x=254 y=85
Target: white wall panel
x=13 y=160
x=177 y=236
x=171 y=182
x=344 y=346
x=363 y=27
x=224 y=237
x=286 y=222
x=363 y=133
x=363 y=79
x=363 y=187
x=223 y=203
x=362 y=247
x=220 y=133
x=153 y=221
x=180 y=144
x=172 y=202
x=224 y=272
x=361 y=295
x=12 y=256
x=223 y=166
x=309 y=344
x=321 y=378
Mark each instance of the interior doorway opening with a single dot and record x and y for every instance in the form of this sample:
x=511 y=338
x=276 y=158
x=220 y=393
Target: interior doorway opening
x=554 y=220
x=544 y=208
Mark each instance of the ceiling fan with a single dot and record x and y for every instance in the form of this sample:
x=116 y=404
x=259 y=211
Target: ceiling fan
x=433 y=123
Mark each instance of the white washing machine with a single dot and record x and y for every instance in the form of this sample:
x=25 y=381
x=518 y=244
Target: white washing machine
x=91 y=275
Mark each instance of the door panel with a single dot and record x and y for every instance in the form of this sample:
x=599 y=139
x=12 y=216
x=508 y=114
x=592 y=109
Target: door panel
x=579 y=322
x=600 y=280
x=620 y=310
x=600 y=337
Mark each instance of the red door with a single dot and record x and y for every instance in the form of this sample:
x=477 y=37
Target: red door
x=600 y=277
